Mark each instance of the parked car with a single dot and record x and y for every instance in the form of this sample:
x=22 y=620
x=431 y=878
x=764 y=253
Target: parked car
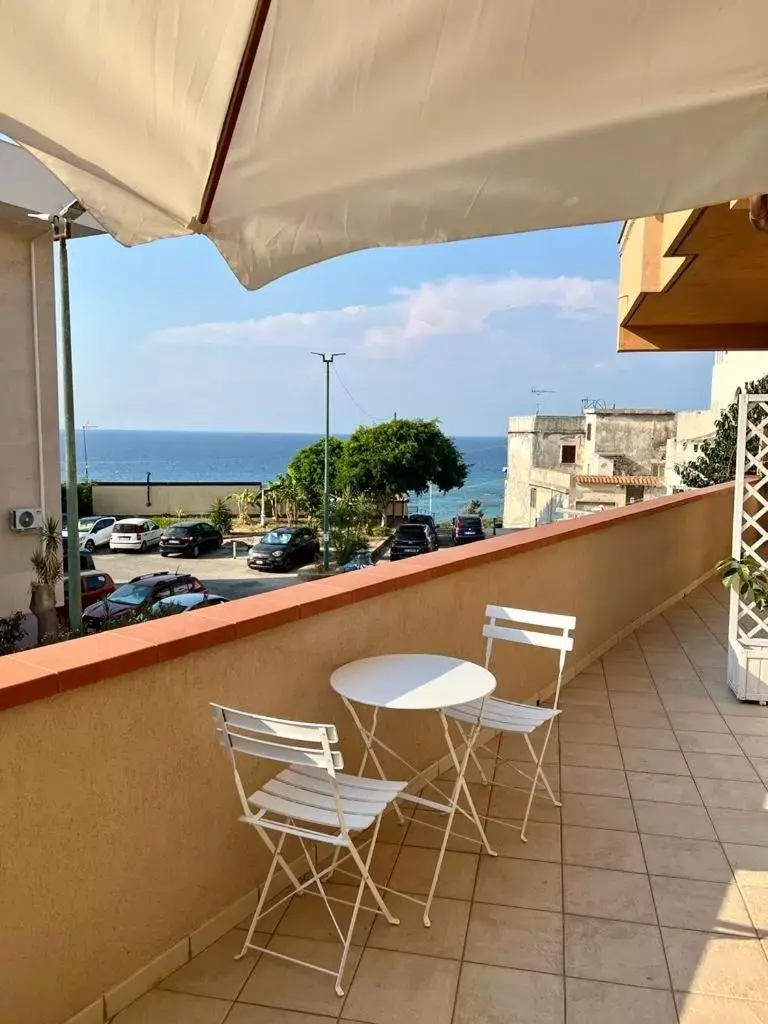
x=94 y=531
x=187 y=602
x=467 y=529
x=410 y=539
x=86 y=561
x=94 y=586
x=285 y=548
x=425 y=520
x=138 y=595
x=134 y=535
x=190 y=538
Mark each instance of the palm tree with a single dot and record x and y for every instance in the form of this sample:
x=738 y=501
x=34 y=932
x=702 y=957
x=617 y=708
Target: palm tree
x=244 y=501
x=48 y=569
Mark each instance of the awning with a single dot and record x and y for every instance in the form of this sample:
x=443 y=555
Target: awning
x=621 y=481
x=291 y=131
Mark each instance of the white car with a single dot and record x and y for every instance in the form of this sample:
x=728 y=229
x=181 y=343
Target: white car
x=134 y=535
x=93 y=531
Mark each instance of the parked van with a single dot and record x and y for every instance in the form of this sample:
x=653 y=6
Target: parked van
x=134 y=535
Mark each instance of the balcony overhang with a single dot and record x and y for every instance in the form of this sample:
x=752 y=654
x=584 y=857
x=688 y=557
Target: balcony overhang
x=694 y=281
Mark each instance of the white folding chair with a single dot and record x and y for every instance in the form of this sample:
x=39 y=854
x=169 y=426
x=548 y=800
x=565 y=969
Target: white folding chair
x=504 y=716
x=313 y=801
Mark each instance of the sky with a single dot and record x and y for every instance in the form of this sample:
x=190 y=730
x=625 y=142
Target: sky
x=165 y=337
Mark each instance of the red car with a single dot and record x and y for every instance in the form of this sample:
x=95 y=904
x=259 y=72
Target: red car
x=136 y=597
x=94 y=586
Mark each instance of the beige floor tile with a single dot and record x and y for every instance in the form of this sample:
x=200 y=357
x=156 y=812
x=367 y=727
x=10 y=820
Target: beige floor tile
x=700 y=906
x=686 y=858
x=695 y=1009
x=588 y=681
x=642 y=702
x=590 y=755
x=602 y=848
x=708 y=742
x=501 y=995
x=588 y=715
x=598 y=1002
x=747 y=827
x=736 y=796
x=717 y=965
x=530 y=940
x=756 y=899
x=747 y=725
x=445 y=937
x=519 y=776
x=699 y=704
x=543 y=840
x=629 y=684
x=761 y=767
x=627 y=954
x=667 y=789
x=287 y=986
x=640 y=719
x=647 y=739
x=215 y=972
x=697 y=723
x=519 y=883
x=402 y=987
x=246 y=1013
x=753 y=746
x=673 y=820
x=511 y=804
x=480 y=793
x=663 y=762
x=574 y=732
x=158 y=1007
x=618 y=895
x=307 y=916
x=721 y=766
x=594 y=781
x=573 y=697
x=749 y=863
x=598 y=812
x=415 y=867
x=427 y=828
x=514 y=748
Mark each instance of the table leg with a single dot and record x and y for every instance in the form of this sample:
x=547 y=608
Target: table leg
x=459 y=786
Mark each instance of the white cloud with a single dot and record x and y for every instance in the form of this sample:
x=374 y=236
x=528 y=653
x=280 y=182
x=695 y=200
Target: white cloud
x=454 y=306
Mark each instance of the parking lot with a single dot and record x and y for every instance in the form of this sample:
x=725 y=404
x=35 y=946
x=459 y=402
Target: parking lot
x=218 y=570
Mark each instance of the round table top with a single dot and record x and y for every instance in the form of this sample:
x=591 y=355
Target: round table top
x=412 y=682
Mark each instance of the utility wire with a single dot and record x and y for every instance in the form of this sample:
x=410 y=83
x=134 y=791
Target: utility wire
x=351 y=396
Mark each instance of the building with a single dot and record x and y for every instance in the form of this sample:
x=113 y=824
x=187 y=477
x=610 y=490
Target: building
x=30 y=476
x=600 y=459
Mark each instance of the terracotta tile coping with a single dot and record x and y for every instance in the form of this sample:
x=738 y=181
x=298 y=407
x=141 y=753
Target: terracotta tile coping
x=43 y=672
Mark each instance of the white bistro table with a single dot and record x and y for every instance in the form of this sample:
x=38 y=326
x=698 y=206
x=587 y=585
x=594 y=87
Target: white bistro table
x=418 y=682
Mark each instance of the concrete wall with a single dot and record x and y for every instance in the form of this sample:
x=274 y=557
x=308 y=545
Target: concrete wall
x=130 y=499
x=29 y=429
x=120 y=832
x=639 y=439
x=536 y=441
x=731 y=371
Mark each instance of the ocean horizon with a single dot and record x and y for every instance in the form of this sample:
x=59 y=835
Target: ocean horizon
x=175 y=456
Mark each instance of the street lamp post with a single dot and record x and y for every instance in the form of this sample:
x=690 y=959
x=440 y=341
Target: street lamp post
x=84 y=428
x=327 y=361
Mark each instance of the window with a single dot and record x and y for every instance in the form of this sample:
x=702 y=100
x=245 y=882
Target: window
x=589 y=431
x=568 y=454
x=533 y=497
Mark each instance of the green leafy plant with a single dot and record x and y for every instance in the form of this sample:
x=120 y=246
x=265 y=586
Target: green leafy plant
x=747 y=577
x=306 y=472
x=474 y=508
x=351 y=516
x=244 y=501
x=47 y=565
x=221 y=515
x=12 y=632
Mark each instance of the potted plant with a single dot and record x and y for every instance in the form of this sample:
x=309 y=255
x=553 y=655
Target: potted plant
x=48 y=570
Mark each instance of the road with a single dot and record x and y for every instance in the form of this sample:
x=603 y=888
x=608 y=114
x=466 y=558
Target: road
x=218 y=570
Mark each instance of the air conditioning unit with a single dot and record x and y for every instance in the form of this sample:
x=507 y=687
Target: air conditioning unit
x=26 y=518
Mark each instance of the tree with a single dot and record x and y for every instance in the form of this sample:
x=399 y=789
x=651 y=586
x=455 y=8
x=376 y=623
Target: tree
x=351 y=515
x=400 y=456
x=716 y=462
x=474 y=507
x=47 y=564
x=307 y=472
x=285 y=496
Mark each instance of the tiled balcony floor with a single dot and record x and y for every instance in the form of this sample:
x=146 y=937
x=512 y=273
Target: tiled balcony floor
x=644 y=899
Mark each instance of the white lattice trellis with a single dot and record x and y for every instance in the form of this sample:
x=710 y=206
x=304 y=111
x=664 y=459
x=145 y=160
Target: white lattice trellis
x=750 y=514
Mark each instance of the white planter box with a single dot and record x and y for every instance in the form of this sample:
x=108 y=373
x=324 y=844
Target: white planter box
x=748 y=671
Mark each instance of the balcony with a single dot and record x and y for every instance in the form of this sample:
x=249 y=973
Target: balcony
x=127 y=877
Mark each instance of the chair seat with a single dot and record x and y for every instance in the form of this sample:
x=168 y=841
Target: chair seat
x=306 y=794
x=502 y=715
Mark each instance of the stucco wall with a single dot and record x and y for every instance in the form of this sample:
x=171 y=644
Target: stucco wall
x=639 y=439
x=29 y=435
x=536 y=441
x=118 y=812
x=130 y=499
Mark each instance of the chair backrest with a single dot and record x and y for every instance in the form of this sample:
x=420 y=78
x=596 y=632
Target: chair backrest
x=309 y=744
x=550 y=630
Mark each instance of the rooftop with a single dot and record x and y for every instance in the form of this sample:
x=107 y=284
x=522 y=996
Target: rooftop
x=620 y=481
x=644 y=898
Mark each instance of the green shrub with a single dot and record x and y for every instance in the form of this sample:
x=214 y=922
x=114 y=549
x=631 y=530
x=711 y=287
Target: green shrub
x=12 y=632
x=221 y=515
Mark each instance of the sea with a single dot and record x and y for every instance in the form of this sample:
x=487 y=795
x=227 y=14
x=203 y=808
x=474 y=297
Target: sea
x=112 y=456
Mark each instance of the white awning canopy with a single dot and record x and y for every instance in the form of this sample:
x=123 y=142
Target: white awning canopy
x=291 y=131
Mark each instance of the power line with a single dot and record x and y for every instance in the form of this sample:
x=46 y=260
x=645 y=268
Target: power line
x=352 y=397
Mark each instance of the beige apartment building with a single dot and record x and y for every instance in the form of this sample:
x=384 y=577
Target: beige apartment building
x=30 y=477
